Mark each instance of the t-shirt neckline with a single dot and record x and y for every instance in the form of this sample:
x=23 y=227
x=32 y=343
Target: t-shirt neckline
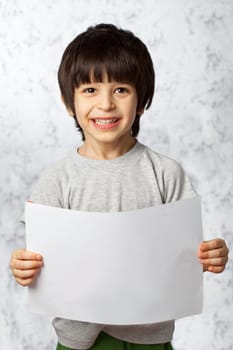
x=124 y=158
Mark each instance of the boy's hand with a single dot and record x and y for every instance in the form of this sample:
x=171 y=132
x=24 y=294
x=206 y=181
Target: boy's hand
x=25 y=266
x=213 y=255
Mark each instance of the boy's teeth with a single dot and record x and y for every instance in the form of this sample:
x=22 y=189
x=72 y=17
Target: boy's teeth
x=105 y=121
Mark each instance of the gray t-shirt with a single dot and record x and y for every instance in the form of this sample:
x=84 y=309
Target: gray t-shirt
x=140 y=178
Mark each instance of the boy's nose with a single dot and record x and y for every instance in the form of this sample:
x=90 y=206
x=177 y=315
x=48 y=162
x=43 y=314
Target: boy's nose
x=106 y=102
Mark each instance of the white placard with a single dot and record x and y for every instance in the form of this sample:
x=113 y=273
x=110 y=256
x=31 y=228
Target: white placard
x=128 y=267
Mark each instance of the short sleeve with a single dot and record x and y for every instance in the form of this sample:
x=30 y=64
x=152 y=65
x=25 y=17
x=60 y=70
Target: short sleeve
x=46 y=191
x=178 y=185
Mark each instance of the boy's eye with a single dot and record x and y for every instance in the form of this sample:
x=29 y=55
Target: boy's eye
x=121 y=90
x=89 y=90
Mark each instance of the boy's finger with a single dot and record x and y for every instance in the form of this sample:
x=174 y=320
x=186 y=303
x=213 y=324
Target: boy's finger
x=216 y=253
x=23 y=254
x=25 y=274
x=24 y=282
x=216 y=269
x=26 y=264
x=212 y=244
x=214 y=261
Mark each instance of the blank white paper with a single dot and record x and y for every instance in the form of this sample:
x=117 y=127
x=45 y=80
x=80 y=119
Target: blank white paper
x=121 y=268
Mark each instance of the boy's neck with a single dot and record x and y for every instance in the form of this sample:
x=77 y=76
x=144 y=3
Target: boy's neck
x=105 y=151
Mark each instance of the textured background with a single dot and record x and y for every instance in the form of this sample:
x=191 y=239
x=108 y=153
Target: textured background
x=191 y=43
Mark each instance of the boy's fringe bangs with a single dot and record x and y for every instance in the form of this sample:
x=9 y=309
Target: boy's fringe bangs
x=95 y=70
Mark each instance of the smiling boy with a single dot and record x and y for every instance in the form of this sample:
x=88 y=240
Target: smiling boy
x=106 y=79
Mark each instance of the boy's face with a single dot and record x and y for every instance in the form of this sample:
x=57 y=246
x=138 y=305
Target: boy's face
x=106 y=111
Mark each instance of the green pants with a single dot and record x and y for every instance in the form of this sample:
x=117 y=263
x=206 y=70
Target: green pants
x=106 y=342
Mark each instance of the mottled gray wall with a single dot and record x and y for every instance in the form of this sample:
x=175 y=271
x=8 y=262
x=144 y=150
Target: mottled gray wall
x=191 y=42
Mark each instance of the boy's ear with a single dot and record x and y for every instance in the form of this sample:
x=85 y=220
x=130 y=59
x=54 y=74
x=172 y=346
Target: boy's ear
x=68 y=108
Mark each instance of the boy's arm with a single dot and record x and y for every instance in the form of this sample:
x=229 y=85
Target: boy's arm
x=213 y=255
x=25 y=266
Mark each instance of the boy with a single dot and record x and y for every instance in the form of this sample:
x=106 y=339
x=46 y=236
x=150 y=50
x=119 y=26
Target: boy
x=106 y=78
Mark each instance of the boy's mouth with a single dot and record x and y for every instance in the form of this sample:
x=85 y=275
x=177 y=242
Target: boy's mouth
x=105 y=123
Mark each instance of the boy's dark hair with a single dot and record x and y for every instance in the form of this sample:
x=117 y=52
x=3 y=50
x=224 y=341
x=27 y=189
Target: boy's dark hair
x=105 y=48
